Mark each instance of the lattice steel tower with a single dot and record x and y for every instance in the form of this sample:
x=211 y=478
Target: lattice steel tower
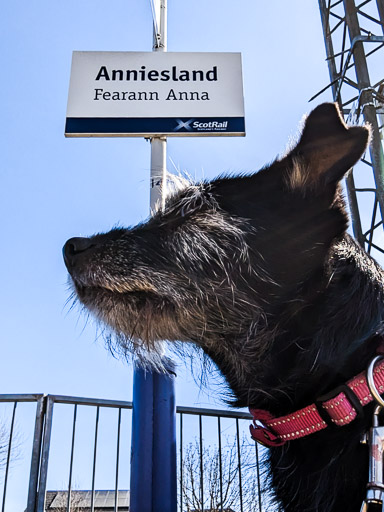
x=354 y=42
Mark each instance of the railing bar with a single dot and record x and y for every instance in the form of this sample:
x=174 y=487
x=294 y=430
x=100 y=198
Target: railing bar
x=201 y=463
x=220 y=463
x=45 y=455
x=181 y=462
x=117 y=461
x=239 y=464
x=36 y=454
x=90 y=401
x=8 y=455
x=71 y=461
x=258 y=475
x=21 y=398
x=213 y=412
x=94 y=460
x=117 y=403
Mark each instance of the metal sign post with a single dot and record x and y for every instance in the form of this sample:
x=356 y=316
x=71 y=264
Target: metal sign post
x=153 y=463
x=159 y=144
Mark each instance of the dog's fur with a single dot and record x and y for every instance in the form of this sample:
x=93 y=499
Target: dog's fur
x=259 y=272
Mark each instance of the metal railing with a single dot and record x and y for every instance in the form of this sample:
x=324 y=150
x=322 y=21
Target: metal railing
x=235 y=465
x=218 y=463
x=41 y=445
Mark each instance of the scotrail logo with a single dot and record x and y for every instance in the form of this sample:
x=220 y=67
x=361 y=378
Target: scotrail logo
x=201 y=126
x=186 y=125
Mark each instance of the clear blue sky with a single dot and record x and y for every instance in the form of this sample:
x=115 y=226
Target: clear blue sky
x=54 y=188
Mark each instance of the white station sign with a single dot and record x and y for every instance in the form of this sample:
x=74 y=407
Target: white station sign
x=155 y=93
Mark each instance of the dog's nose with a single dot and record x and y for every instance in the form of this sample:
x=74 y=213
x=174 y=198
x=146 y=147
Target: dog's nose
x=73 y=247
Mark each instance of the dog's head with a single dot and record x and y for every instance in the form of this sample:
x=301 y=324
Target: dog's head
x=223 y=256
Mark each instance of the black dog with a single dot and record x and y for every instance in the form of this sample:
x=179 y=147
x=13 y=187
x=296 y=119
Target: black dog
x=259 y=272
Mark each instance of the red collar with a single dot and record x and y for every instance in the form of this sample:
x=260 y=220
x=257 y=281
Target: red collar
x=338 y=408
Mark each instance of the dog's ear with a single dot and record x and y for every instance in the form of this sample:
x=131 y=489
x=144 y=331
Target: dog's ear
x=327 y=148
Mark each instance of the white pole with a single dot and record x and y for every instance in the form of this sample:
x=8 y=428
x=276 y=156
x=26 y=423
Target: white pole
x=159 y=144
x=158 y=172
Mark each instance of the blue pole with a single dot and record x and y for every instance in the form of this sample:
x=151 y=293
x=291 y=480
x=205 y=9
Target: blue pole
x=142 y=442
x=153 y=460
x=164 y=491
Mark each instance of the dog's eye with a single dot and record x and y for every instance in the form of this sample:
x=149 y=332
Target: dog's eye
x=185 y=207
x=175 y=218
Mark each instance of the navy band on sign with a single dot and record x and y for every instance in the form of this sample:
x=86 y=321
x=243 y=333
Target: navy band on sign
x=120 y=125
